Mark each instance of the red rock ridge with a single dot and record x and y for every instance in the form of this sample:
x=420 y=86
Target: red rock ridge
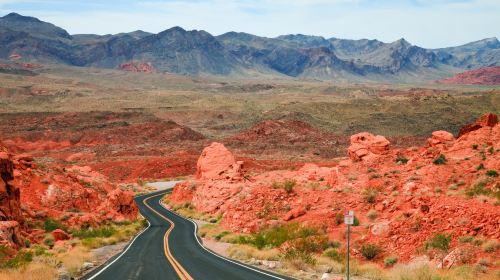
x=483 y=76
x=137 y=66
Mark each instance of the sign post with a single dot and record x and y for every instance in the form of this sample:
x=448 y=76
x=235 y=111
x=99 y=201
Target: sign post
x=348 y=220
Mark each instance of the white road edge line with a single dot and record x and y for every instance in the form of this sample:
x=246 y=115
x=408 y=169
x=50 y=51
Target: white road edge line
x=215 y=254
x=123 y=253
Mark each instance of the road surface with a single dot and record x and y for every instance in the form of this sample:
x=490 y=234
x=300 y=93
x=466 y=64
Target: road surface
x=169 y=249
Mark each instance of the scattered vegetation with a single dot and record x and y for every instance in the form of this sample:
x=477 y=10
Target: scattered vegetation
x=370 y=251
x=372 y=214
x=370 y=195
x=441 y=159
x=401 y=159
x=288 y=185
x=440 y=242
x=491 y=246
x=50 y=225
x=390 y=261
x=492 y=173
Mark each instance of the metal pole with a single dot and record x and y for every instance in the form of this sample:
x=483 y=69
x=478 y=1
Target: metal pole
x=348 y=247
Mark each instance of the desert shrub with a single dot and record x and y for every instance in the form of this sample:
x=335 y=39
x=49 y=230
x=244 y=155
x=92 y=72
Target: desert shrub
x=50 y=224
x=49 y=241
x=339 y=218
x=465 y=239
x=401 y=160
x=288 y=185
x=474 y=146
x=333 y=254
x=481 y=189
x=275 y=185
x=303 y=249
x=220 y=235
x=491 y=246
x=441 y=159
x=440 y=242
x=275 y=237
x=492 y=173
x=370 y=251
x=333 y=244
x=390 y=261
x=480 y=167
x=370 y=195
x=104 y=231
x=22 y=258
x=355 y=221
x=395 y=193
x=372 y=214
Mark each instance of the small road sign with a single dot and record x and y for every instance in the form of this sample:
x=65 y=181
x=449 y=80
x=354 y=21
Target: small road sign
x=349 y=217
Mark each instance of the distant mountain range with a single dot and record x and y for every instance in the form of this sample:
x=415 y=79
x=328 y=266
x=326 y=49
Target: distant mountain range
x=240 y=54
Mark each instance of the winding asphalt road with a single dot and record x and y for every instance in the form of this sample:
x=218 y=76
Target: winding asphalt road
x=169 y=249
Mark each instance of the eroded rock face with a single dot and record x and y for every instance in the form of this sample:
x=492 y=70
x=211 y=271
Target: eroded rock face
x=10 y=207
x=365 y=144
x=486 y=120
x=216 y=162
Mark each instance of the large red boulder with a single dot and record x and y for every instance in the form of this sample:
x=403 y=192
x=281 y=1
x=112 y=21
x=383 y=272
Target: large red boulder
x=489 y=119
x=59 y=234
x=217 y=162
x=365 y=144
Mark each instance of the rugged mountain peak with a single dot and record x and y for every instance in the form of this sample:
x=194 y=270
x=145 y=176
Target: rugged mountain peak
x=32 y=25
x=401 y=43
x=18 y=17
x=174 y=29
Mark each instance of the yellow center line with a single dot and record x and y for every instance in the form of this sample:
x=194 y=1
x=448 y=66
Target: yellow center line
x=181 y=272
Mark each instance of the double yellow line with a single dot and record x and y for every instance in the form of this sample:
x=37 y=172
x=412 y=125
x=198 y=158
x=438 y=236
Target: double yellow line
x=181 y=272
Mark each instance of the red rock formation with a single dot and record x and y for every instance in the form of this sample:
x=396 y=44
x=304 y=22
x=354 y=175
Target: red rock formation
x=415 y=198
x=486 y=120
x=11 y=217
x=59 y=234
x=483 y=76
x=217 y=162
x=137 y=66
x=367 y=145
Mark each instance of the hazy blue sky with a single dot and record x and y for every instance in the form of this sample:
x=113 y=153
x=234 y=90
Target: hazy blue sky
x=427 y=23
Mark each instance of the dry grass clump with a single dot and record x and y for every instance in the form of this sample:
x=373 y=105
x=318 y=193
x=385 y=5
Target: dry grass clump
x=245 y=252
x=33 y=271
x=74 y=259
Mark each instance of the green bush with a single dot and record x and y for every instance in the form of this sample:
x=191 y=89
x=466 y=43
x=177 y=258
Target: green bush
x=356 y=222
x=370 y=251
x=492 y=173
x=333 y=254
x=401 y=160
x=104 y=231
x=22 y=258
x=49 y=241
x=440 y=242
x=288 y=185
x=441 y=159
x=275 y=237
x=474 y=146
x=480 y=167
x=50 y=224
x=390 y=261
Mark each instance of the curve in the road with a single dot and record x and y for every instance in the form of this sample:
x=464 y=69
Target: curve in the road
x=169 y=248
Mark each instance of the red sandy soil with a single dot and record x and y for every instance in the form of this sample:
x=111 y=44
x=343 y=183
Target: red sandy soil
x=122 y=146
x=483 y=76
x=413 y=200
x=137 y=66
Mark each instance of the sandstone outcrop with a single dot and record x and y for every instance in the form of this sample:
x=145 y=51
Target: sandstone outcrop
x=482 y=76
x=11 y=217
x=486 y=120
x=413 y=197
x=367 y=145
